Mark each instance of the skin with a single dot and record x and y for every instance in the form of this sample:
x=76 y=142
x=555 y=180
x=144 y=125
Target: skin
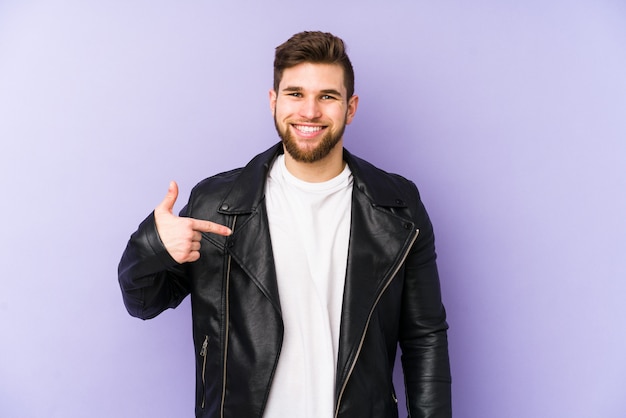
x=180 y=235
x=311 y=110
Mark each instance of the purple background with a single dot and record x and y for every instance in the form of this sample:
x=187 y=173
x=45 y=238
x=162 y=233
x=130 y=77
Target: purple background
x=510 y=116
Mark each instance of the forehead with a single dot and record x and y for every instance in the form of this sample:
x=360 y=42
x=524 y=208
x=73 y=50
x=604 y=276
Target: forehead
x=313 y=76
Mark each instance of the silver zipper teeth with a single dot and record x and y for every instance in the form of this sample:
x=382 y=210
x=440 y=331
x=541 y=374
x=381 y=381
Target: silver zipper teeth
x=367 y=324
x=227 y=326
x=203 y=353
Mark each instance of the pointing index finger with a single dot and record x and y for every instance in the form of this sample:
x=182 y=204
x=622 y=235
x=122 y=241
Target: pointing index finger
x=212 y=227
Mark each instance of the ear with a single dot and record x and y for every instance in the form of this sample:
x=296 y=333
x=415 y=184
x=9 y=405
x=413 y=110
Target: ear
x=353 y=103
x=272 y=96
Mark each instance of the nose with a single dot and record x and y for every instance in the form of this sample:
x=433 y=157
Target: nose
x=310 y=109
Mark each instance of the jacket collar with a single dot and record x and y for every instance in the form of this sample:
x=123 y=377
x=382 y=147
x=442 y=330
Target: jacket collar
x=249 y=189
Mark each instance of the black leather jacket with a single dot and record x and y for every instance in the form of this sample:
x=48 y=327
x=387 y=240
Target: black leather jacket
x=391 y=295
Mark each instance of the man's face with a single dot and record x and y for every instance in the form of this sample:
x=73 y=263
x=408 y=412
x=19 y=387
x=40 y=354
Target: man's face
x=311 y=110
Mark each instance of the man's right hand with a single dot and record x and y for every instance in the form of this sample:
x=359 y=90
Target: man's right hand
x=181 y=236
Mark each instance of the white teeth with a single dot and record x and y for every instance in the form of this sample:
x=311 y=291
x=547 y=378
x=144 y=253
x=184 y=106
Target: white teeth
x=308 y=129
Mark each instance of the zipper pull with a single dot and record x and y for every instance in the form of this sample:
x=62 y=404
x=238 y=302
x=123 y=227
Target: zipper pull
x=204 y=346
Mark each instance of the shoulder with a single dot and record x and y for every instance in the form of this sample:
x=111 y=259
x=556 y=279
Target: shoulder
x=381 y=186
x=217 y=181
x=241 y=187
x=209 y=192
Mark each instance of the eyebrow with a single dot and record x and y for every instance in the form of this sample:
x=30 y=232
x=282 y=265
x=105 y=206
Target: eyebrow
x=331 y=91
x=325 y=91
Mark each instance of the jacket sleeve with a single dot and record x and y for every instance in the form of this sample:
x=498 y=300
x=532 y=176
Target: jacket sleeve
x=150 y=279
x=423 y=330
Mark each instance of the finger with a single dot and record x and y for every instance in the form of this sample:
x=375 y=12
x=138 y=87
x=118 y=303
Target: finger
x=193 y=256
x=170 y=198
x=212 y=227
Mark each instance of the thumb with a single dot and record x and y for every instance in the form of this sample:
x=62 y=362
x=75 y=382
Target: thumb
x=170 y=198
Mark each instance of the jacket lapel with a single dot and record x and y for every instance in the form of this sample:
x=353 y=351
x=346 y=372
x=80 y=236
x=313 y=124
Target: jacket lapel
x=251 y=247
x=378 y=241
x=250 y=244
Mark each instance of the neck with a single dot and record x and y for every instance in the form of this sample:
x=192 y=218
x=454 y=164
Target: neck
x=323 y=170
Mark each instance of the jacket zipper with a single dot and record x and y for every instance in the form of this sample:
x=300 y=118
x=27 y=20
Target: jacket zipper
x=227 y=324
x=203 y=353
x=369 y=317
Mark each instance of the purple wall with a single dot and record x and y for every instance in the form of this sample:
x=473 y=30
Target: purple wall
x=511 y=119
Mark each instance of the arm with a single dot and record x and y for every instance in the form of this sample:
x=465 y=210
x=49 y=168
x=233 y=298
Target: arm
x=423 y=330
x=150 y=279
x=151 y=272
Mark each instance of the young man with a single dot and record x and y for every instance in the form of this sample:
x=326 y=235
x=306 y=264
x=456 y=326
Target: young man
x=306 y=268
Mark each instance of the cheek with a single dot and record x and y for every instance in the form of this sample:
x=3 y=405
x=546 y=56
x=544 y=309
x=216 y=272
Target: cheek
x=339 y=115
x=283 y=109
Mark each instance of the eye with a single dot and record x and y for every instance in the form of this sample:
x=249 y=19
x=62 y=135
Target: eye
x=328 y=97
x=294 y=94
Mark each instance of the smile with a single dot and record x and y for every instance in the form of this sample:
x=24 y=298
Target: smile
x=305 y=129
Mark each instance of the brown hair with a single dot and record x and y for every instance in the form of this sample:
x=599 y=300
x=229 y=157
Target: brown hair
x=314 y=47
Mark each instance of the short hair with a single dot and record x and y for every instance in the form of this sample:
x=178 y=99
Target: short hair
x=314 y=47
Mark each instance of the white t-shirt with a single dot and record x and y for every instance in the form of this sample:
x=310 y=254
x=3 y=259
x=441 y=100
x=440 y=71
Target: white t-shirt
x=309 y=228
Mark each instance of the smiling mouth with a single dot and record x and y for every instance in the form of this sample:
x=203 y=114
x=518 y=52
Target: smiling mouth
x=307 y=129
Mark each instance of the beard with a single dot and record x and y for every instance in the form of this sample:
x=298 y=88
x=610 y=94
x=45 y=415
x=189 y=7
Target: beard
x=328 y=141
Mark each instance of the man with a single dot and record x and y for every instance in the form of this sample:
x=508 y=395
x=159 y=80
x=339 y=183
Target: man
x=306 y=268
